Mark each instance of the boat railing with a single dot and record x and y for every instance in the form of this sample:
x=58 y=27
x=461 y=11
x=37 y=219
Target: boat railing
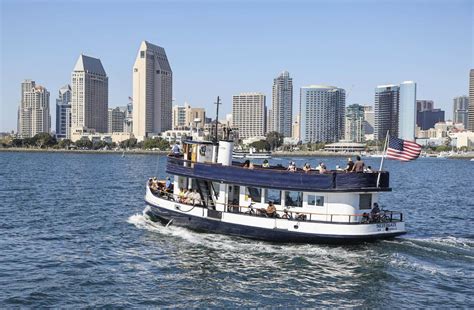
x=383 y=216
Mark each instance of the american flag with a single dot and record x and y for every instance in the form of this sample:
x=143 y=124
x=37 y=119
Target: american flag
x=403 y=149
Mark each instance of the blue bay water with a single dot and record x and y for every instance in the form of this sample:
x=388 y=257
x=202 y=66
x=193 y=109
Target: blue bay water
x=73 y=235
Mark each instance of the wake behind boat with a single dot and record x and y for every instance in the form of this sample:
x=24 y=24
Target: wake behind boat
x=211 y=193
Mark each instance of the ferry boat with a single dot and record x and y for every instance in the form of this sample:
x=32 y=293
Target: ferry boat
x=271 y=203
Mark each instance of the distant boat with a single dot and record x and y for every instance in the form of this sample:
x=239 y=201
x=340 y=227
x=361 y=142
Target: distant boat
x=472 y=159
x=376 y=155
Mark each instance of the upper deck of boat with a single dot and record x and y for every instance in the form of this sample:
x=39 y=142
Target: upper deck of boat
x=278 y=177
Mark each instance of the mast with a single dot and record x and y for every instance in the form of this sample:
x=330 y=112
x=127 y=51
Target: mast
x=384 y=153
x=217 y=118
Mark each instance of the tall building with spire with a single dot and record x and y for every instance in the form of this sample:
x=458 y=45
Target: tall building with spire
x=282 y=105
x=63 y=112
x=152 y=91
x=471 y=101
x=33 y=115
x=90 y=95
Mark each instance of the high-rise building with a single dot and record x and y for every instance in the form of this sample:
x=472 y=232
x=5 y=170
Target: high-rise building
x=369 y=119
x=460 y=110
x=428 y=118
x=322 y=110
x=407 y=114
x=90 y=95
x=152 y=91
x=195 y=117
x=33 y=113
x=282 y=104
x=248 y=114
x=424 y=105
x=471 y=101
x=128 y=120
x=386 y=111
x=296 y=129
x=179 y=117
x=354 y=124
x=63 y=113
x=116 y=120
x=270 y=127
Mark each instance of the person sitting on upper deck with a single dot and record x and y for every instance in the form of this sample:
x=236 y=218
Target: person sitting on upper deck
x=306 y=167
x=350 y=165
x=323 y=168
x=251 y=166
x=246 y=164
x=359 y=165
x=368 y=170
x=265 y=164
x=175 y=151
x=338 y=168
x=291 y=166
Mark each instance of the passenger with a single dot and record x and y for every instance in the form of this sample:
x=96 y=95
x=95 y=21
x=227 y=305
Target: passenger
x=270 y=211
x=251 y=166
x=196 y=198
x=188 y=196
x=350 y=165
x=154 y=185
x=359 y=165
x=168 y=185
x=265 y=164
x=150 y=182
x=306 y=167
x=246 y=164
x=323 y=168
x=286 y=215
x=318 y=168
x=175 y=151
x=291 y=166
x=338 y=168
x=368 y=170
x=375 y=212
x=181 y=195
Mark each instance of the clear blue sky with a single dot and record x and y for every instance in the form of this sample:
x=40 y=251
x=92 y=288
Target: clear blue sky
x=226 y=47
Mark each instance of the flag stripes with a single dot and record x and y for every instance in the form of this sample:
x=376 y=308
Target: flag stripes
x=402 y=149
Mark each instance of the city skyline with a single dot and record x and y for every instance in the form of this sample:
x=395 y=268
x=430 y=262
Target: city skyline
x=352 y=62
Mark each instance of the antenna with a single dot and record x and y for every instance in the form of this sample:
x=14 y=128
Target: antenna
x=217 y=116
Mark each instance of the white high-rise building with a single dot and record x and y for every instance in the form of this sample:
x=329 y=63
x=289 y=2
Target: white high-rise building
x=34 y=116
x=248 y=114
x=90 y=95
x=354 y=125
x=322 y=110
x=282 y=105
x=407 y=114
x=152 y=91
x=63 y=113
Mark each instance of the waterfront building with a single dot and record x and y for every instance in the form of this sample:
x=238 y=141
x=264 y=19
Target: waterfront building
x=152 y=91
x=248 y=114
x=354 y=123
x=407 y=113
x=470 y=125
x=428 y=118
x=460 y=110
x=322 y=110
x=63 y=113
x=424 y=105
x=282 y=105
x=116 y=120
x=90 y=134
x=386 y=111
x=188 y=117
x=128 y=117
x=369 y=119
x=90 y=95
x=33 y=115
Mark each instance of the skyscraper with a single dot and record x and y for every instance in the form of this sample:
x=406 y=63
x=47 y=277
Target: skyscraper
x=354 y=124
x=460 y=110
x=152 y=91
x=386 y=111
x=116 y=120
x=90 y=95
x=369 y=119
x=322 y=110
x=63 y=112
x=471 y=101
x=407 y=114
x=248 y=114
x=34 y=114
x=282 y=104
x=424 y=105
x=179 y=117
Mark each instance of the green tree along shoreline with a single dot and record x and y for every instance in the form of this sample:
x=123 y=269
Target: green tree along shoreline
x=46 y=141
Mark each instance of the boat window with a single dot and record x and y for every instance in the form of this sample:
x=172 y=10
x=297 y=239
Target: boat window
x=254 y=193
x=314 y=200
x=273 y=195
x=293 y=199
x=365 y=201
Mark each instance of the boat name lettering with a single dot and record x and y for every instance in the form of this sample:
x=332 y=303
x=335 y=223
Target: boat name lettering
x=386 y=226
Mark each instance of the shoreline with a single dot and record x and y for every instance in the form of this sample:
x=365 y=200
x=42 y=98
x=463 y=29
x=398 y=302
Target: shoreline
x=150 y=152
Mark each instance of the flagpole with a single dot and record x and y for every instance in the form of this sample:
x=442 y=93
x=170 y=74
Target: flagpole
x=383 y=156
